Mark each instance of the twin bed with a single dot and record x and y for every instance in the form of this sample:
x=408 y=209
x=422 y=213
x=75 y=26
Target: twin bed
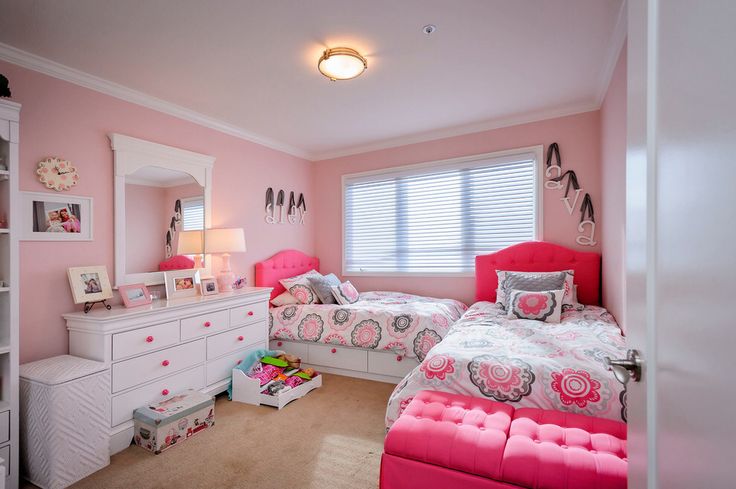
x=439 y=344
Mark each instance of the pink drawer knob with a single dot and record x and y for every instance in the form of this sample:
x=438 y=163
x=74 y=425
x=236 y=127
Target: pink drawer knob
x=165 y=363
x=165 y=392
x=399 y=358
x=250 y=313
x=240 y=338
x=334 y=350
x=207 y=324
x=279 y=343
x=149 y=339
x=239 y=362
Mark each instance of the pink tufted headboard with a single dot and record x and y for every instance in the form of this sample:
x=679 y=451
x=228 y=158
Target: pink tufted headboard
x=539 y=256
x=283 y=264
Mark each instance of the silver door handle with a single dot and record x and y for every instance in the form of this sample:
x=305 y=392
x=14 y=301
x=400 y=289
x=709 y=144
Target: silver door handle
x=626 y=369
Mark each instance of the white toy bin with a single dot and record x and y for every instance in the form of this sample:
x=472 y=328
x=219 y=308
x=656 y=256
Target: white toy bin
x=248 y=390
x=64 y=420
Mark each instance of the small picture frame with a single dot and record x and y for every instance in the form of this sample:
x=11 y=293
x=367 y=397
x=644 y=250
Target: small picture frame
x=209 y=286
x=181 y=283
x=135 y=295
x=89 y=284
x=55 y=217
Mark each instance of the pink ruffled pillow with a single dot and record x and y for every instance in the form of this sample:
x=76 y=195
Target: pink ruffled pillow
x=541 y=306
x=345 y=293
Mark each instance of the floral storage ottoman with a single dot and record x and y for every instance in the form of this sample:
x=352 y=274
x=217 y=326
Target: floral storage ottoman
x=173 y=420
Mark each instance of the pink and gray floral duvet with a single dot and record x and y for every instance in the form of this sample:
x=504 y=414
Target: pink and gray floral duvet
x=407 y=324
x=525 y=362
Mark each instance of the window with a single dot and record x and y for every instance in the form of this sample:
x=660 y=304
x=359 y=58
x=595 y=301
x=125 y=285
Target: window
x=192 y=214
x=434 y=218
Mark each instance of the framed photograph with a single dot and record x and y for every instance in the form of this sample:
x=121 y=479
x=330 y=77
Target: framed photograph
x=181 y=283
x=89 y=284
x=135 y=295
x=50 y=217
x=209 y=286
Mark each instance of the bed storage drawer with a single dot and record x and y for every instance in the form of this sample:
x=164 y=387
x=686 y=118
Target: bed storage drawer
x=140 y=370
x=248 y=313
x=393 y=364
x=292 y=347
x=236 y=339
x=143 y=340
x=124 y=404
x=203 y=324
x=338 y=357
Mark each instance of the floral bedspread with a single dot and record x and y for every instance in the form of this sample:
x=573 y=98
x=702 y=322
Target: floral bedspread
x=406 y=324
x=528 y=363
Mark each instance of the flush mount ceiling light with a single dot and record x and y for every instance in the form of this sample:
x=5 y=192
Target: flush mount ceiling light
x=341 y=63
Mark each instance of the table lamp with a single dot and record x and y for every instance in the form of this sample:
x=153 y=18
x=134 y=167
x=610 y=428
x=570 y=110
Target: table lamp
x=225 y=241
x=191 y=243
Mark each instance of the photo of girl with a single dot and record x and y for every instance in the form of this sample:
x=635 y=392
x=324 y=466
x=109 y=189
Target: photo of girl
x=91 y=283
x=53 y=217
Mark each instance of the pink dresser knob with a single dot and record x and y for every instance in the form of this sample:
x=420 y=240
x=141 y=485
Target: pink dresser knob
x=207 y=324
x=239 y=362
x=240 y=338
x=399 y=358
x=149 y=339
x=165 y=392
x=250 y=313
x=165 y=363
x=334 y=350
x=279 y=343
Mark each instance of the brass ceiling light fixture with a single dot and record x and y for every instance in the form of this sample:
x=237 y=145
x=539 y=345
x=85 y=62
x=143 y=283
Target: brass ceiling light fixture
x=341 y=64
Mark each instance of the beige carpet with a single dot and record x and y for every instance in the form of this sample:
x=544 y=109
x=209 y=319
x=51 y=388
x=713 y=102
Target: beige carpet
x=331 y=438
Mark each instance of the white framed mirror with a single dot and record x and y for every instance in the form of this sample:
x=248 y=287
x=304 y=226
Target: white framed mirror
x=163 y=199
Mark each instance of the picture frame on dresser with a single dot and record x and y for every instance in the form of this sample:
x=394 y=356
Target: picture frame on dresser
x=89 y=284
x=56 y=217
x=209 y=286
x=181 y=283
x=135 y=295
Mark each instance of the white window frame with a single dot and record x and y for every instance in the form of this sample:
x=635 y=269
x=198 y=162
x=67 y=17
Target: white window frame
x=190 y=199
x=449 y=164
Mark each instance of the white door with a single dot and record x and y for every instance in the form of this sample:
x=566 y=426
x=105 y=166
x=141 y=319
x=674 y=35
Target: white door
x=681 y=235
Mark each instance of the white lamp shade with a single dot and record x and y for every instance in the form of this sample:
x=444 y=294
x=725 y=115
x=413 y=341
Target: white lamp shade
x=224 y=240
x=190 y=243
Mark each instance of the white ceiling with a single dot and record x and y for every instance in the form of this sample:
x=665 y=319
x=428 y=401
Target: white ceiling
x=249 y=67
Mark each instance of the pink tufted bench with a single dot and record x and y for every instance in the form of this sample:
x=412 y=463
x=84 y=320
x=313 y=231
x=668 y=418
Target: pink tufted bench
x=449 y=441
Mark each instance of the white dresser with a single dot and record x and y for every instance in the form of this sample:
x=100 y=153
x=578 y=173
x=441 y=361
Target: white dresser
x=169 y=346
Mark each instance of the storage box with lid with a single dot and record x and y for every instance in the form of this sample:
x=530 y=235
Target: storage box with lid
x=173 y=420
x=64 y=419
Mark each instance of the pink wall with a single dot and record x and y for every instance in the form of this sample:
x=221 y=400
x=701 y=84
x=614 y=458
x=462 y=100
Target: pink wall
x=579 y=140
x=613 y=179
x=61 y=119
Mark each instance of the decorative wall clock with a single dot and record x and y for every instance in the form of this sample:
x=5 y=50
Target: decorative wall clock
x=57 y=174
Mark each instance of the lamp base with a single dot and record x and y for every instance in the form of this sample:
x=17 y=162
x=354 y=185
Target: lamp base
x=225 y=281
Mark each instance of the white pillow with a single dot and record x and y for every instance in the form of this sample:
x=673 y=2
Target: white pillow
x=345 y=293
x=300 y=287
x=545 y=305
x=284 y=299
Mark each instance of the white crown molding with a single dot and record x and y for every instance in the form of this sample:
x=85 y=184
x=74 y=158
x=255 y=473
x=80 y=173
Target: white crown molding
x=57 y=70
x=459 y=130
x=620 y=31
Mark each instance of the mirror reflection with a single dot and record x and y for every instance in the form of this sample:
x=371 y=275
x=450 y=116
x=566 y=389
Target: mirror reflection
x=164 y=217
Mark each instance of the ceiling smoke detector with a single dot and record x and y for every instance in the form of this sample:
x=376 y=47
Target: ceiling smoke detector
x=429 y=29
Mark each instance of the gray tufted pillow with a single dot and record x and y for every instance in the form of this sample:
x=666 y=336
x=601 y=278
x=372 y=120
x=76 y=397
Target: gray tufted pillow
x=322 y=286
x=528 y=282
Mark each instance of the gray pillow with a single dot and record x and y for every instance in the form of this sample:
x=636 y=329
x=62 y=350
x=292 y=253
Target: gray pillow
x=322 y=286
x=528 y=282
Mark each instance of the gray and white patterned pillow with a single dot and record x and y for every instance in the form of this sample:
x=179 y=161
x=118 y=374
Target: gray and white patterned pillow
x=322 y=286
x=534 y=282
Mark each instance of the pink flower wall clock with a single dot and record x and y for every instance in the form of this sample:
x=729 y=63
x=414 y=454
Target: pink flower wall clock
x=57 y=174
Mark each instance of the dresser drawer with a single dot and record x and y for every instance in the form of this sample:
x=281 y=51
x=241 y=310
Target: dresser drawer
x=292 y=347
x=4 y=426
x=338 y=357
x=248 y=313
x=222 y=368
x=203 y=324
x=235 y=339
x=144 y=339
x=124 y=404
x=140 y=370
x=385 y=363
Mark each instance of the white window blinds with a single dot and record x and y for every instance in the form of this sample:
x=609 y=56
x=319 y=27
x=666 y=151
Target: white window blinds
x=436 y=218
x=192 y=214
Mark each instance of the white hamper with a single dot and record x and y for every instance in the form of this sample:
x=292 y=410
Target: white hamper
x=64 y=420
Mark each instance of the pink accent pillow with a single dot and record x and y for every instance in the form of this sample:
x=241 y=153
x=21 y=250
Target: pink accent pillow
x=300 y=287
x=540 y=306
x=345 y=293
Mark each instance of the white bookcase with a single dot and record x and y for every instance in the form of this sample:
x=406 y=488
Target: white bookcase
x=9 y=289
